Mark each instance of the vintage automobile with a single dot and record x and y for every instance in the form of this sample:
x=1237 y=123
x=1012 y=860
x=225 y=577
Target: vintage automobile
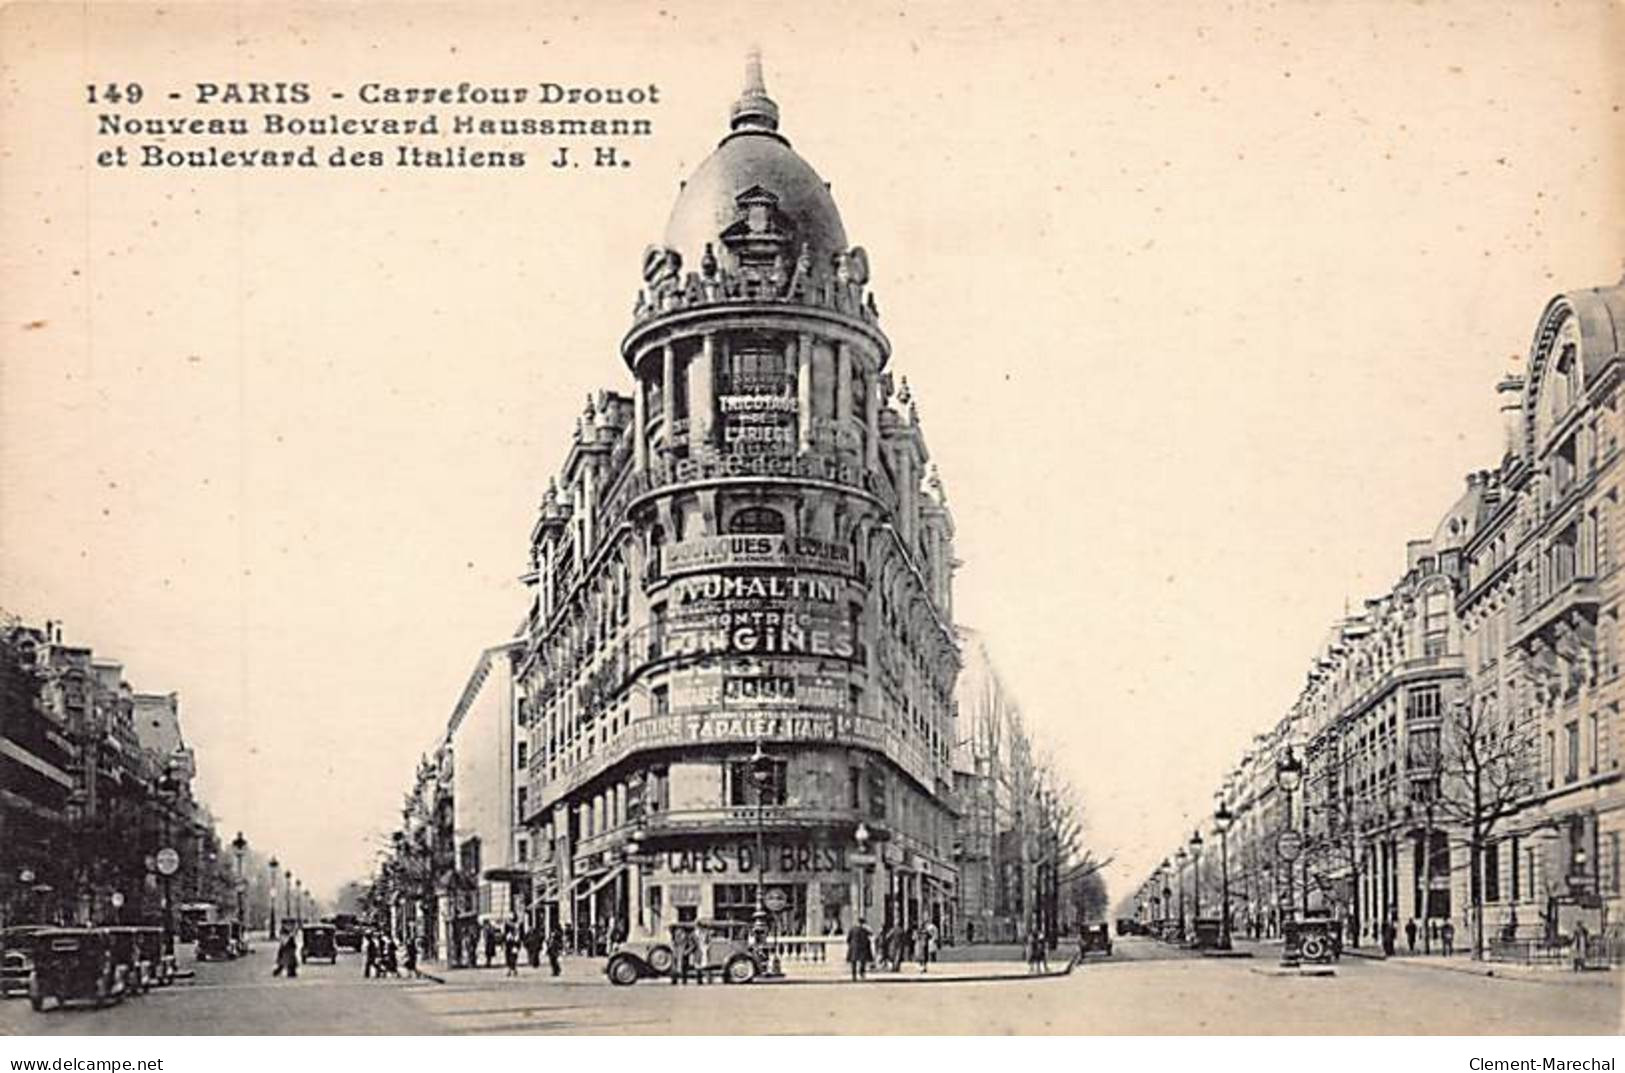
x=74 y=963
x=723 y=947
x=318 y=943
x=346 y=931
x=214 y=942
x=17 y=957
x=156 y=955
x=125 y=943
x=1093 y=938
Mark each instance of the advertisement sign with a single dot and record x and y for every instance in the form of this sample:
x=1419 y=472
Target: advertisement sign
x=758 y=614
x=739 y=687
x=736 y=550
x=739 y=858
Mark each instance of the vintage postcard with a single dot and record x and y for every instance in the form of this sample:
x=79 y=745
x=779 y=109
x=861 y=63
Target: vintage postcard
x=1057 y=518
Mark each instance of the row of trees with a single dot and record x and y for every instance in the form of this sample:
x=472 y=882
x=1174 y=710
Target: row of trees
x=1024 y=863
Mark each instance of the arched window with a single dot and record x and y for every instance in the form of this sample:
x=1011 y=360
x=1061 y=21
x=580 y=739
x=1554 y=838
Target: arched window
x=756 y=520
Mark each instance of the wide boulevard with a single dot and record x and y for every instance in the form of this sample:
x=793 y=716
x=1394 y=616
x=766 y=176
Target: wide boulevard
x=1144 y=987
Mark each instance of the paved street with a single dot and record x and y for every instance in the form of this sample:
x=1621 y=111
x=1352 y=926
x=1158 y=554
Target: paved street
x=1145 y=988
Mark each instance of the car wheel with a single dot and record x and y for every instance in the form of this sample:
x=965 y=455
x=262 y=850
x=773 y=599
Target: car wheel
x=623 y=971
x=661 y=959
x=741 y=969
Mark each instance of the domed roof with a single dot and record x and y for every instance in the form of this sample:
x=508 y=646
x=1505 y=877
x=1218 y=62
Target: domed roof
x=754 y=159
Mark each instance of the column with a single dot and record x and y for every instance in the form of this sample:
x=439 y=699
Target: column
x=701 y=401
x=871 y=416
x=640 y=422
x=843 y=389
x=668 y=385
x=804 y=400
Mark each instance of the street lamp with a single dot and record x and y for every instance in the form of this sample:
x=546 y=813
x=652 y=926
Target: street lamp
x=1288 y=776
x=271 y=929
x=761 y=773
x=287 y=896
x=634 y=849
x=1179 y=877
x=238 y=845
x=1196 y=885
x=860 y=912
x=1222 y=818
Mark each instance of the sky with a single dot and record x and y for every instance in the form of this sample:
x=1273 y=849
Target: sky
x=1203 y=307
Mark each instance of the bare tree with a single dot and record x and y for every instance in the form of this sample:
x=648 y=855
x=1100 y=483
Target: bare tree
x=1486 y=768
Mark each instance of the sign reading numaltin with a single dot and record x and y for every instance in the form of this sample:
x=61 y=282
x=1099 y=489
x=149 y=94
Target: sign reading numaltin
x=302 y=125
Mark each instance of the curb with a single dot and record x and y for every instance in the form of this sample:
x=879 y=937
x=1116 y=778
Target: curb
x=924 y=978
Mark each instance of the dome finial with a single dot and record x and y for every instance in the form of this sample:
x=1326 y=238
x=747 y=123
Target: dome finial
x=754 y=110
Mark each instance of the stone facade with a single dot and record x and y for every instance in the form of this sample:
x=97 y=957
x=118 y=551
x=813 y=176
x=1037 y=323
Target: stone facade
x=1461 y=736
x=744 y=555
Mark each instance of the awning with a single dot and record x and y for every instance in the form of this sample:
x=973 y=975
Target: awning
x=598 y=882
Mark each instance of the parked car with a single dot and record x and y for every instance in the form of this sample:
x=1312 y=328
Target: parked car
x=156 y=954
x=125 y=945
x=725 y=948
x=72 y=964
x=214 y=942
x=17 y=957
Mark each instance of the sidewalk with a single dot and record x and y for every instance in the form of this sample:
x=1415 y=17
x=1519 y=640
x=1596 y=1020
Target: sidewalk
x=1459 y=962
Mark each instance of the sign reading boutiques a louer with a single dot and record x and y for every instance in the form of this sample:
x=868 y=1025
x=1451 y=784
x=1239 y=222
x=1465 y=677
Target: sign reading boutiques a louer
x=710 y=552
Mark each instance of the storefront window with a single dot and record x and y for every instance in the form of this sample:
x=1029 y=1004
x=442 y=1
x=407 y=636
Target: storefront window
x=737 y=901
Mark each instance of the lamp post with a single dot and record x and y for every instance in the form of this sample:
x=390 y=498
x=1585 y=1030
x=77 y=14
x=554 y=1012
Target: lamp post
x=634 y=849
x=860 y=912
x=238 y=846
x=287 y=896
x=271 y=928
x=1222 y=818
x=168 y=787
x=1288 y=776
x=1167 y=899
x=299 y=901
x=761 y=773
x=1179 y=879
x=1196 y=884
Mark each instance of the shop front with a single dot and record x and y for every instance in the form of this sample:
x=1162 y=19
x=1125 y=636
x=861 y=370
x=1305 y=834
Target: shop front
x=806 y=883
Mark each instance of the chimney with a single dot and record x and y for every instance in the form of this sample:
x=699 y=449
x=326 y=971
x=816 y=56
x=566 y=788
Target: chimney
x=1510 y=393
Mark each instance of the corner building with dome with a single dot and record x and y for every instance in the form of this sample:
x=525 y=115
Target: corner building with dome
x=747 y=557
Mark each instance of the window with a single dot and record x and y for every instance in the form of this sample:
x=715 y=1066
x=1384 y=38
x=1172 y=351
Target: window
x=742 y=786
x=1572 y=735
x=524 y=795
x=1422 y=702
x=1436 y=625
x=854 y=784
x=1492 y=872
x=756 y=520
x=757 y=370
x=662 y=700
x=1613 y=862
x=1596 y=741
x=1551 y=759
x=523 y=849
x=524 y=755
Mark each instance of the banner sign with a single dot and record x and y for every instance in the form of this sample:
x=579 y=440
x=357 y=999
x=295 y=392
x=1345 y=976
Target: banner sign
x=711 y=552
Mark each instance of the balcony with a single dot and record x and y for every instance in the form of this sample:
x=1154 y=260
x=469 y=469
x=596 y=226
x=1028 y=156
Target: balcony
x=1577 y=594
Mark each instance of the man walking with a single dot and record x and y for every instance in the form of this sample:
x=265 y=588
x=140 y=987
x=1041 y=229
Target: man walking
x=369 y=951
x=859 y=949
x=1410 y=936
x=1447 y=935
x=555 y=947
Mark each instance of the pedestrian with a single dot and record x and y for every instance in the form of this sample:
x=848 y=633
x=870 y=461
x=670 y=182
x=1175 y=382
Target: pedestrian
x=287 y=958
x=390 y=966
x=510 y=952
x=369 y=952
x=970 y=932
x=533 y=946
x=490 y=944
x=859 y=950
x=1447 y=935
x=1410 y=936
x=1035 y=951
x=555 y=947
x=932 y=941
x=412 y=957
x=1388 y=935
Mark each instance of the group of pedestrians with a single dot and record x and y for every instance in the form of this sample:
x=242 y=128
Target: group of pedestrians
x=384 y=957
x=894 y=944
